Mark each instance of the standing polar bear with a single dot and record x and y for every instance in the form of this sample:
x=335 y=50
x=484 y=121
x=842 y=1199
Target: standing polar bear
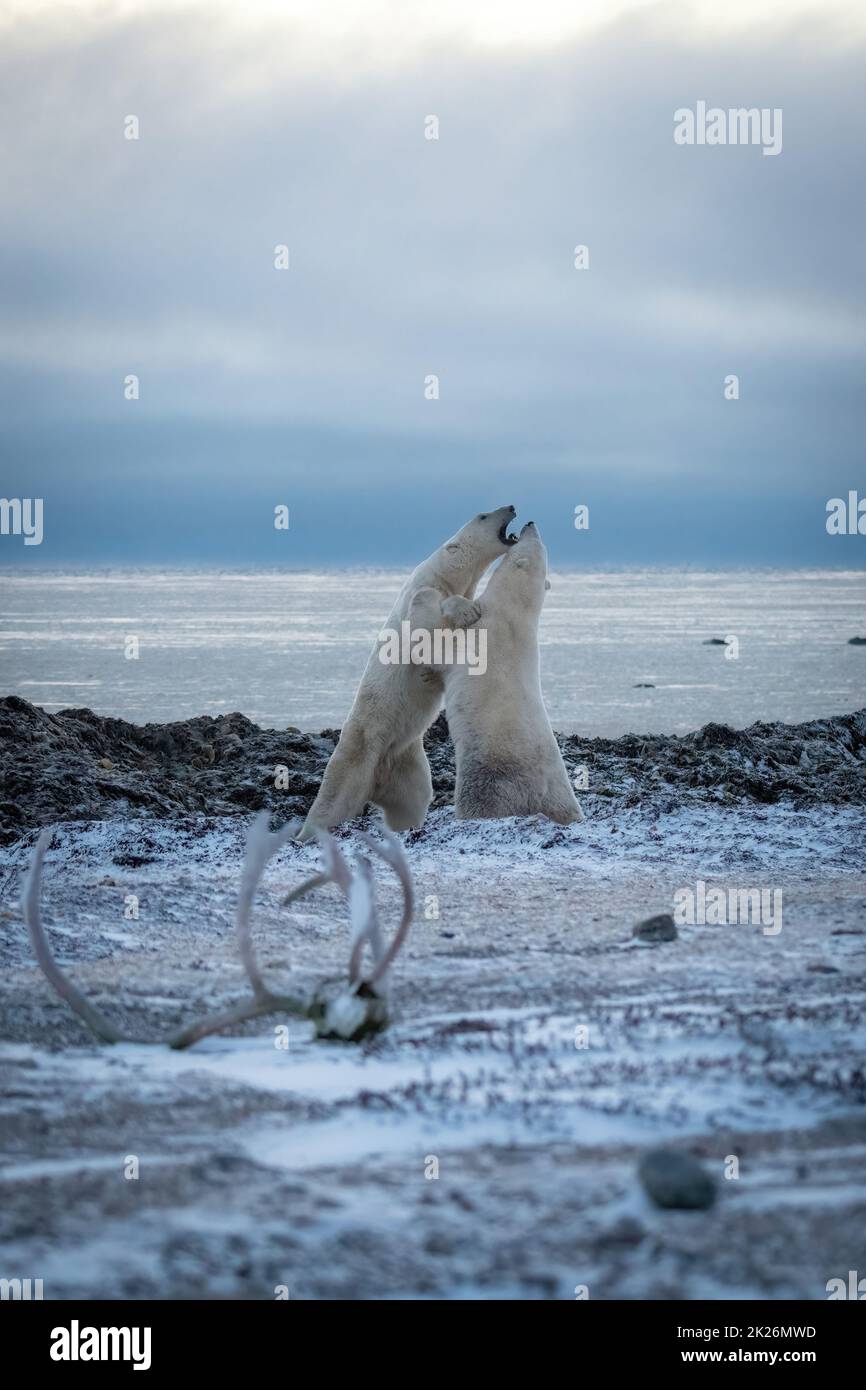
x=380 y=755
x=508 y=761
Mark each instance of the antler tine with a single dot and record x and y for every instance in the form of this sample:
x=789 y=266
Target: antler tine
x=336 y=870
x=45 y=959
x=317 y=881
x=214 y=1023
x=336 y=867
x=392 y=853
x=364 y=920
x=261 y=846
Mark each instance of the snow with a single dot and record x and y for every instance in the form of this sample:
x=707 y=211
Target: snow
x=306 y=1165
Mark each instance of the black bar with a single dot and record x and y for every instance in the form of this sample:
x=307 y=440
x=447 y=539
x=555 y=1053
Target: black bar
x=227 y=1337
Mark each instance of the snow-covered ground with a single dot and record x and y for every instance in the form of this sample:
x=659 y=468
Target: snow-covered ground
x=537 y=1050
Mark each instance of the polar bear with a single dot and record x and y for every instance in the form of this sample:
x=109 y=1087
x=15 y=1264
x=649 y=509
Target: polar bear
x=380 y=754
x=508 y=760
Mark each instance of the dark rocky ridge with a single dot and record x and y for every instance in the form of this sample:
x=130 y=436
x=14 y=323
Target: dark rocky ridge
x=77 y=765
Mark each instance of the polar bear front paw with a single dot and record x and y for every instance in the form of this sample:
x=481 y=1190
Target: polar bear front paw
x=425 y=608
x=460 y=612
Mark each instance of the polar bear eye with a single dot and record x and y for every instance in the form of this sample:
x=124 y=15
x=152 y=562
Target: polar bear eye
x=483 y=516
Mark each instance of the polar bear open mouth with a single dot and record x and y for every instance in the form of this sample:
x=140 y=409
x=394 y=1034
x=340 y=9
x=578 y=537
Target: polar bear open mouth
x=504 y=536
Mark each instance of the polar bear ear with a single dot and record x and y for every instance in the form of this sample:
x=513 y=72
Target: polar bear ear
x=453 y=546
x=547 y=583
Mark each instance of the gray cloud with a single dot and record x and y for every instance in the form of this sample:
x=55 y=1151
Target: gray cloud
x=452 y=257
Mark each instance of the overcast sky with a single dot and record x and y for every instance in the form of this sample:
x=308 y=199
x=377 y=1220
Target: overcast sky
x=304 y=124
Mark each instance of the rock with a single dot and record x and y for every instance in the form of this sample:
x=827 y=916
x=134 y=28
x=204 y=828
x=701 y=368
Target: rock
x=676 y=1181
x=721 y=736
x=857 y=641
x=627 y=1231
x=51 y=767
x=659 y=928
x=441 y=1243
x=644 y=685
x=249 y=795
x=105 y=762
x=715 y=642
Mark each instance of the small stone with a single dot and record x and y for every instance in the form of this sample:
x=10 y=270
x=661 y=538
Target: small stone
x=627 y=1231
x=659 y=928
x=440 y=1243
x=676 y=1181
x=461 y=1200
x=105 y=762
x=644 y=685
x=857 y=641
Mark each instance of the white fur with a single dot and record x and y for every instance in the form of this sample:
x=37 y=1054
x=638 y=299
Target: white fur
x=508 y=760
x=380 y=756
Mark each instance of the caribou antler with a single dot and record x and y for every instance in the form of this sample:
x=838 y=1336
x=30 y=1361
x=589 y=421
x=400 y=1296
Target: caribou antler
x=361 y=1009
x=392 y=853
x=65 y=988
x=261 y=846
x=355 y=1012
x=358 y=889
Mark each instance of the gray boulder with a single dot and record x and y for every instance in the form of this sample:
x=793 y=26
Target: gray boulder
x=676 y=1181
x=659 y=928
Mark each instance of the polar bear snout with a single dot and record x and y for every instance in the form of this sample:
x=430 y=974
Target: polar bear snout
x=502 y=519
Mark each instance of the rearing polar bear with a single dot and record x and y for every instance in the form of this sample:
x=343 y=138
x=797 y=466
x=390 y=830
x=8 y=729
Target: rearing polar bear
x=508 y=760
x=380 y=755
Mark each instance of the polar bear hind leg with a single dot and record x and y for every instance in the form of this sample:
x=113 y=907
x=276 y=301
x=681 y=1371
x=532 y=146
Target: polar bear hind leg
x=347 y=785
x=404 y=787
x=491 y=791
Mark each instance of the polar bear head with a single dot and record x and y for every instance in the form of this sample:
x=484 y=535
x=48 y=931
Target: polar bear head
x=521 y=579
x=462 y=560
